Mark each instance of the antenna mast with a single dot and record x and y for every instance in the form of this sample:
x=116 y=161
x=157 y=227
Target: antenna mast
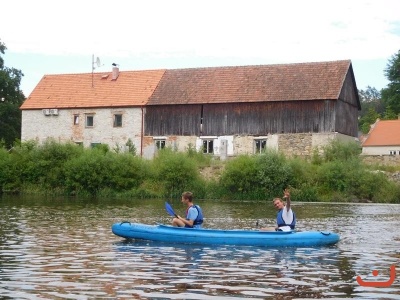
x=93 y=67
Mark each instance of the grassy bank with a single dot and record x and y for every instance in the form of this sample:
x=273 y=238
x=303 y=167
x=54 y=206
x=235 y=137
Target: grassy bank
x=338 y=175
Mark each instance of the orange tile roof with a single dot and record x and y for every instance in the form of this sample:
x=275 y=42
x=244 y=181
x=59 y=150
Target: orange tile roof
x=384 y=133
x=132 y=88
x=302 y=81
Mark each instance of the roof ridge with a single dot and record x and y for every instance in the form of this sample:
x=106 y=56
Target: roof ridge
x=266 y=65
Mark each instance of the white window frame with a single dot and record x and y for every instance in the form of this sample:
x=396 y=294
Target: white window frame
x=261 y=148
x=158 y=141
x=208 y=149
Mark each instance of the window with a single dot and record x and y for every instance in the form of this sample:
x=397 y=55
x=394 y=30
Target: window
x=94 y=145
x=260 y=145
x=160 y=144
x=208 y=146
x=79 y=143
x=89 y=120
x=76 y=119
x=117 y=120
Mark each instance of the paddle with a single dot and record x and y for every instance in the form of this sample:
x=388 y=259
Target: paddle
x=170 y=210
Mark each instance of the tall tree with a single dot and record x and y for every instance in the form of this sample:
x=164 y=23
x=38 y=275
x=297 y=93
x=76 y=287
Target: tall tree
x=11 y=98
x=370 y=98
x=391 y=94
x=371 y=108
x=368 y=119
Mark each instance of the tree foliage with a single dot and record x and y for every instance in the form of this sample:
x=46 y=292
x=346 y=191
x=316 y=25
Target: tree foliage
x=68 y=169
x=11 y=98
x=371 y=108
x=368 y=119
x=391 y=94
x=385 y=104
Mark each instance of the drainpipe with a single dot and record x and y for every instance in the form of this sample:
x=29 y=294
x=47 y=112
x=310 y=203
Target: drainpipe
x=141 y=134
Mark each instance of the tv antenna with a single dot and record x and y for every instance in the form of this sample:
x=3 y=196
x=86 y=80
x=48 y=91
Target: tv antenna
x=98 y=64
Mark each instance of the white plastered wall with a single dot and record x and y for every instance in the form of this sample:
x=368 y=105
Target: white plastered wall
x=40 y=127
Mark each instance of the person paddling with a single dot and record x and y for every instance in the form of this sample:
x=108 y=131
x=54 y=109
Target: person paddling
x=194 y=214
x=285 y=219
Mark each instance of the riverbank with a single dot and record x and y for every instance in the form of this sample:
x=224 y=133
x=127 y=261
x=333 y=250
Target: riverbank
x=337 y=175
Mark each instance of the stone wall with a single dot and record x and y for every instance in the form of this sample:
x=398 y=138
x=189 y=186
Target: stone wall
x=299 y=144
x=387 y=160
x=304 y=144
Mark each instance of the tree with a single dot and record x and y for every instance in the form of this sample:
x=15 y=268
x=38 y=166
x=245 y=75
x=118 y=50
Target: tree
x=371 y=108
x=391 y=94
x=389 y=114
x=371 y=94
x=11 y=98
x=368 y=119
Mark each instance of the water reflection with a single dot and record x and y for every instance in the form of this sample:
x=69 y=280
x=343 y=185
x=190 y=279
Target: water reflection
x=228 y=270
x=64 y=249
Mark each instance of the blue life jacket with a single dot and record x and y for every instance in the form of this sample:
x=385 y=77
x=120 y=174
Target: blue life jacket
x=280 y=222
x=199 y=218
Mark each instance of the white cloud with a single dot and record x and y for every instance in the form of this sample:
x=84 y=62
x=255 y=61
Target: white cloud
x=276 y=30
x=189 y=33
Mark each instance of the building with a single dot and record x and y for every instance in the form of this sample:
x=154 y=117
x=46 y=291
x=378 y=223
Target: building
x=89 y=109
x=383 y=139
x=224 y=111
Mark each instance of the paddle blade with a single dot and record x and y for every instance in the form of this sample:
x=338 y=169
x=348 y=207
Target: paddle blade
x=170 y=210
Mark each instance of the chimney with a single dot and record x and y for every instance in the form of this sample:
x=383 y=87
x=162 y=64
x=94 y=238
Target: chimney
x=115 y=71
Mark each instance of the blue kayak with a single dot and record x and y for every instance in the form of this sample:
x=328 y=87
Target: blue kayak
x=167 y=233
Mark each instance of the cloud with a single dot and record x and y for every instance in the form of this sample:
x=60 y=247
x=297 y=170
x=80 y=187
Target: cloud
x=281 y=30
x=48 y=37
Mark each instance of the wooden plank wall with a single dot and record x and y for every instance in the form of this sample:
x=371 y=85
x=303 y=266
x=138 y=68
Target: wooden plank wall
x=251 y=118
x=165 y=120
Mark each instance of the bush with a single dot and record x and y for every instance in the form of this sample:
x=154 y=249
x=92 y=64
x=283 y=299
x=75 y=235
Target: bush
x=175 y=172
x=274 y=173
x=240 y=175
x=46 y=163
x=342 y=151
x=305 y=193
x=126 y=172
x=333 y=176
x=88 y=173
x=6 y=174
x=336 y=175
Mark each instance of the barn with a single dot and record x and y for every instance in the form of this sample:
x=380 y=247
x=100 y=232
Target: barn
x=221 y=111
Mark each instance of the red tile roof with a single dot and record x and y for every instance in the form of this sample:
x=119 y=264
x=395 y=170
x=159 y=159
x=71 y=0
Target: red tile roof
x=384 y=133
x=132 y=88
x=302 y=81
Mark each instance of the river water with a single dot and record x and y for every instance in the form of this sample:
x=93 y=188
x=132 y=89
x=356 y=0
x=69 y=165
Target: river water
x=59 y=248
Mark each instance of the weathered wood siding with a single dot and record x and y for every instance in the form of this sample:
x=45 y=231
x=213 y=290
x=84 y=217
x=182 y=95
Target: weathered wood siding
x=268 y=118
x=349 y=93
x=242 y=118
x=164 y=120
x=347 y=108
x=346 y=118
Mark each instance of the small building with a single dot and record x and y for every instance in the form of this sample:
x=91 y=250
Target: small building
x=89 y=108
x=223 y=111
x=383 y=139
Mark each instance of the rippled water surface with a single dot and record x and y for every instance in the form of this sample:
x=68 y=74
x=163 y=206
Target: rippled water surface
x=64 y=249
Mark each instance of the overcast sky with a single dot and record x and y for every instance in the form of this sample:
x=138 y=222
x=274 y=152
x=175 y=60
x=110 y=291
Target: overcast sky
x=58 y=36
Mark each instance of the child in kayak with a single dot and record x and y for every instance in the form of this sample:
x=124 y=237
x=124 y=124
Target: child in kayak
x=194 y=215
